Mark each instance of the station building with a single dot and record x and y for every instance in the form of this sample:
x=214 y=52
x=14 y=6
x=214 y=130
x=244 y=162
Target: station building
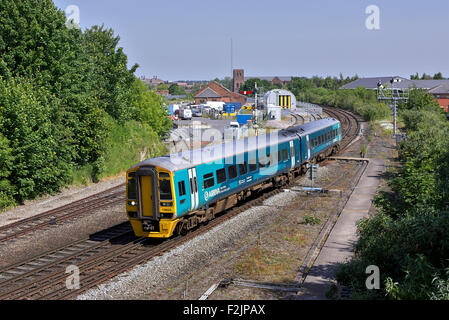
x=281 y=98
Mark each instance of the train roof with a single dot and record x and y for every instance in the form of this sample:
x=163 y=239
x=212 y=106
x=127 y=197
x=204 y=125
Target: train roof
x=190 y=158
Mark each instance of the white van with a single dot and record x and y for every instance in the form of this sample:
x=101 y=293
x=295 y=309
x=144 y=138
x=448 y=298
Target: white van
x=217 y=105
x=185 y=114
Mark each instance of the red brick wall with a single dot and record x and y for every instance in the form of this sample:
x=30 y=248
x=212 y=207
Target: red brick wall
x=444 y=103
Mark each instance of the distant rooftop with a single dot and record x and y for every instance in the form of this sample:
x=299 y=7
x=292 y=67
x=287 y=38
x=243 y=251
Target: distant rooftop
x=402 y=83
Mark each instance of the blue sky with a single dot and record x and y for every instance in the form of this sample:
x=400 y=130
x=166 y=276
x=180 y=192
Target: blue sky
x=191 y=40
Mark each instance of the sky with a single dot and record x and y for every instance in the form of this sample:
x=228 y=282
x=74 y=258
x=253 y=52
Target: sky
x=191 y=39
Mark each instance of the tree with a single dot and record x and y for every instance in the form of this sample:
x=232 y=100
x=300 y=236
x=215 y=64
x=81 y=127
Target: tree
x=226 y=82
x=438 y=76
x=420 y=99
x=149 y=109
x=174 y=89
x=108 y=72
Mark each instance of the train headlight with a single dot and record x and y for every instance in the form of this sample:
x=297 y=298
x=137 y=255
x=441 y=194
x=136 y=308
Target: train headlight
x=132 y=203
x=166 y=204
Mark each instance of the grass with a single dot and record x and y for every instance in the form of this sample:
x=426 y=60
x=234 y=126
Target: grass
x=311 y=220
x=259 y=263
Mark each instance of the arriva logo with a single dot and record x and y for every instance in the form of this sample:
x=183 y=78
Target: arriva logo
x=211 y=194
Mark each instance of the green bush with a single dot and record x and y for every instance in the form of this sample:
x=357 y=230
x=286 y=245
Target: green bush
x=408 y=239
x=65 y=96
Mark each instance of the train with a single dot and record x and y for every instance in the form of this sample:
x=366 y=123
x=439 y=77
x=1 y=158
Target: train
x=172 y=194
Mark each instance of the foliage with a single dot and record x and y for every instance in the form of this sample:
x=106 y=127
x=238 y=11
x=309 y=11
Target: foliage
x=263 y=86
x=419 y=99
x=225 y=82
x=149 y=108
x=176 y=90
x=35 y=166
x=62 y=91
x=408 y=238
x=436 y=76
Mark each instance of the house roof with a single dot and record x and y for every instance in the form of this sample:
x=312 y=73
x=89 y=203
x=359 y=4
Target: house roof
x=208 y=93
x=441 y=89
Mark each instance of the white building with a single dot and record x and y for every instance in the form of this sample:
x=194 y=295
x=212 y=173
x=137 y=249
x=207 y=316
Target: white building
x=281 y=98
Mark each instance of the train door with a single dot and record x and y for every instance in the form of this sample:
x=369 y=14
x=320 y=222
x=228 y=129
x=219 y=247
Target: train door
x=148 y=197
x=193 y=184
x=292 y=154
x=307 y=147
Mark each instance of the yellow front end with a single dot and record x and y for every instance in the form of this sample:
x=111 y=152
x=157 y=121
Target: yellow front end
x=166 y=228
x=151 y=209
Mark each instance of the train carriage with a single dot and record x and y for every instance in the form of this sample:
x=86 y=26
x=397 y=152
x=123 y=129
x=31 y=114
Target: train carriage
x=174 y=193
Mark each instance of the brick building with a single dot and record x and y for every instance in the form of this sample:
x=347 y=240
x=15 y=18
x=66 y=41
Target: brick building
x=238 y=80
x=216 y=92
x=441 y=93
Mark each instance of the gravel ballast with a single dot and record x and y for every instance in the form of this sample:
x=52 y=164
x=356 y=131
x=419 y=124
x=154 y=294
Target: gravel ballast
x=48 y=202
x=139 y=282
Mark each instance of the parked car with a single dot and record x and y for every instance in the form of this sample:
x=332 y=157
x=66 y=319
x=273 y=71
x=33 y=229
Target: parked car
x=197 y=113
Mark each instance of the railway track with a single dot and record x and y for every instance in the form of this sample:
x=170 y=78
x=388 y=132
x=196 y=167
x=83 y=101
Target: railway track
x=69 y=211
x=107 y=254
x=350 y=124
x=44 y=277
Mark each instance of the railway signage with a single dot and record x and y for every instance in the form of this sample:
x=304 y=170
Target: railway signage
x=313 y=171
x=246 y=92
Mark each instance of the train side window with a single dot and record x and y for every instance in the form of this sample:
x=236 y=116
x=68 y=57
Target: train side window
x=181 y=188
x=252 y=165
x=243 y=168
x=208 y=180
x=232 y=171
x=319 y=140
x=221 y=176
x=284 y=154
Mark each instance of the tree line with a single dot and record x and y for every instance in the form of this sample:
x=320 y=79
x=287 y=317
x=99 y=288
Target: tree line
x=60 y=87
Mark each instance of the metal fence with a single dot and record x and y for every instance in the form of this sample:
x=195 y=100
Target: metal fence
x=306 y=107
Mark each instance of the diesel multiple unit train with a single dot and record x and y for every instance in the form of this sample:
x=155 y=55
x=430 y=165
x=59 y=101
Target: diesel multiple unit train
x=174 y=193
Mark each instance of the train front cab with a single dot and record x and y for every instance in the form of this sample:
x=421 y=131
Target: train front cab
x=151 y=202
